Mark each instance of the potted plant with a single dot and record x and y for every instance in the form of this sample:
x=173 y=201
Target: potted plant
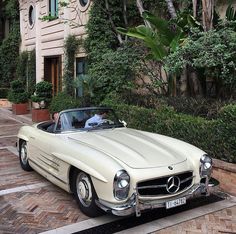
x=42 y=96
x=18 y=97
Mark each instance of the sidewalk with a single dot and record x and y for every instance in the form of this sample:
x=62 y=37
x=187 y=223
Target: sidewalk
x=24 y=119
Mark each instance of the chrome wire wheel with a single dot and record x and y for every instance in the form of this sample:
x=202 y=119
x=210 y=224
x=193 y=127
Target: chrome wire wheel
x=84 y=189
x=85 y=194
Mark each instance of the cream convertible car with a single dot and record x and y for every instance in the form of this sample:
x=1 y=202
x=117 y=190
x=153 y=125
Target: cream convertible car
x=109 y=167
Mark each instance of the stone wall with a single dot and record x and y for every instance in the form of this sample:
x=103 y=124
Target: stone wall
x=226 y=174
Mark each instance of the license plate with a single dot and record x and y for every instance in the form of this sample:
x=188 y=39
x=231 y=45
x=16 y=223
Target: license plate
x=176 y=202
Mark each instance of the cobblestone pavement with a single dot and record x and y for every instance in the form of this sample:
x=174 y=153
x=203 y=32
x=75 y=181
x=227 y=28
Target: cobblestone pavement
x=31 y=204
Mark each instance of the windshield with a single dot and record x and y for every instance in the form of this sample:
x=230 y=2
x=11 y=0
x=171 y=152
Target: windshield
x=87 y=119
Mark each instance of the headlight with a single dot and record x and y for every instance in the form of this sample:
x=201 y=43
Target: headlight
x=121 y=185
x=206 y=165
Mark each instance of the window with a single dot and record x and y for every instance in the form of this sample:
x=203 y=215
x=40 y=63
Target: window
x=53 y=8
x=81 y=70
x=84 y=4
x=31 y=15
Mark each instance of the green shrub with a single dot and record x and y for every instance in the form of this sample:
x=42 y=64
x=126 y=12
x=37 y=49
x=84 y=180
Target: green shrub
x=228 y=114
x=216 y=137
x=43 y=93
x=62 y=101
x=202 y=107
x=17 y=92
x=225 y=133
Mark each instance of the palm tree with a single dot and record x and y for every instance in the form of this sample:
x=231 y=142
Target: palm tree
x=159 y=38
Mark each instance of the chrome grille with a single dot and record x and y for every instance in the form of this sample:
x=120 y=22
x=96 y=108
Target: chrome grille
x=158 y=186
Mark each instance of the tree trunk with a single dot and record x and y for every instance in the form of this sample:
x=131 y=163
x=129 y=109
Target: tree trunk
x=183 y=83
x=171 y=8
x=207 y=14
x=112 y=23
x=194 y=8
x=195 y=85
x=139 y=4
x=125 y=12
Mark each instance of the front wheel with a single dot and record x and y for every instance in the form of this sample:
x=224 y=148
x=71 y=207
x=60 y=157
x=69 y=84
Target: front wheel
x=24 y=157
x=85 y=194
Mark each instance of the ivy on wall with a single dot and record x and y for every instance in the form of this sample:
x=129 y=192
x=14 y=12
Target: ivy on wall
x=71 y=45
x=111 y=62
x=9 y=47
x=26 y=70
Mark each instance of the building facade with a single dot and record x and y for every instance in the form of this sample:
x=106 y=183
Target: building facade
x=47 y=37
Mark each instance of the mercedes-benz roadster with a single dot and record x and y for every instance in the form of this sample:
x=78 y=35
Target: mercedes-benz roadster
x=109 y=167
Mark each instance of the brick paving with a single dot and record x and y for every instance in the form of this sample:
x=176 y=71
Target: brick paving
x=223 y=221
x=35 y=210
x=46 y=207
x=11 y=174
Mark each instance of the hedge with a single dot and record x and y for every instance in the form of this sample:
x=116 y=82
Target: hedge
x=217 y=137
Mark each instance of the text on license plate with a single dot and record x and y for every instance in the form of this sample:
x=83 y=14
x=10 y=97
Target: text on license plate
x=176 y=202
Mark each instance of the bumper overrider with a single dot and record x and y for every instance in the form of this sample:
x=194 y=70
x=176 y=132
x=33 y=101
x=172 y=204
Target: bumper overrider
x=135 y=204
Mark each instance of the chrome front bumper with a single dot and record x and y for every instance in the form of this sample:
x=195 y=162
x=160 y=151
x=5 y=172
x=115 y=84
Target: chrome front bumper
x=135 y=204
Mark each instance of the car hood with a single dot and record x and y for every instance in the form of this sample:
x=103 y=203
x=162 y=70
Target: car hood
x=135 y=148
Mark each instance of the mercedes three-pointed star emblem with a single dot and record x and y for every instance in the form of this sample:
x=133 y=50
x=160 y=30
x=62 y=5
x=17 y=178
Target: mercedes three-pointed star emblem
x=173 y=184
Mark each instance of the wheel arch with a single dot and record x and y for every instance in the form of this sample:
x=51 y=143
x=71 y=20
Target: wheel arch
x=20 y=141
x=71 y=174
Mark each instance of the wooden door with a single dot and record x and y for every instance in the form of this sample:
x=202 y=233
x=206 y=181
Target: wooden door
x=52 y=73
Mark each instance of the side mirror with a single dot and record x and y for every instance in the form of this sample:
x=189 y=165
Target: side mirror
x=124 y=123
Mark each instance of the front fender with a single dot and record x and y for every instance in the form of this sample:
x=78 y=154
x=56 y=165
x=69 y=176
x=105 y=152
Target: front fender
x=23 y=134
x=81 y=166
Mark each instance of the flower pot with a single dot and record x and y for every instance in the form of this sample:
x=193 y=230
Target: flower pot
x=39 y=115
x=20 y=109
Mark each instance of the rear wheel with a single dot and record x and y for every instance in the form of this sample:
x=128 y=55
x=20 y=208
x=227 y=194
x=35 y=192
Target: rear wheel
x=85 y=194
x=24 y=157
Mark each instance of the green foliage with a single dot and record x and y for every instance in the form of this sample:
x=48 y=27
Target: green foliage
x=230 y=14
x=48 y=17
x=17 y=92
x=111 y=66
x=71 y=45
x=213 y=136
x=43 y=93
x=207 y=108
x=228 y=113
x=3 y=92
x=31 y=72
x=21 y=69
x=114 y=71
x=164 y=36
x=201 y=107
x=212 y=51
x=26 y=70
x=62 y=101
x=100 y=35
x=224 y=134
x=12 y=10
x=9 y=47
